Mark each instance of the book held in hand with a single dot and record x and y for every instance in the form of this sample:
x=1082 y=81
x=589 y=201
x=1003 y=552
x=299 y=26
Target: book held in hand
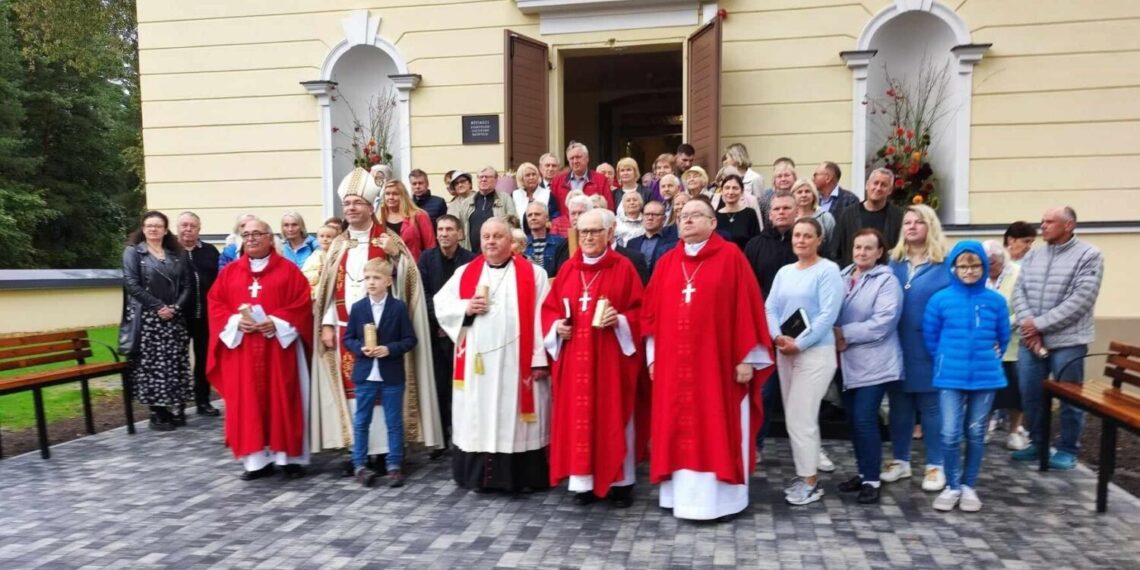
x=796 y=325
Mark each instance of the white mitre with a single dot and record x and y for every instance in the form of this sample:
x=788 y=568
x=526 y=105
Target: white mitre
x=358 y=183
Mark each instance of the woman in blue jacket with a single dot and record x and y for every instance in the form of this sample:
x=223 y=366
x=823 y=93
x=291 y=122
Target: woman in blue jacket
x=918 y=263
x=966 y=328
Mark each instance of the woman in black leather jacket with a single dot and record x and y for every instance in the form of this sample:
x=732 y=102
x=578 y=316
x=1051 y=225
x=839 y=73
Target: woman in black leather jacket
x=156 y=287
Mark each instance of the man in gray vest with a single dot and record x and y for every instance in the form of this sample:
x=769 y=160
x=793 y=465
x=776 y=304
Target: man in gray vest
x=1053 y=301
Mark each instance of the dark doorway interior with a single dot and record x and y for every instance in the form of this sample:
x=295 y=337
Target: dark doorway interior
x=624 y=103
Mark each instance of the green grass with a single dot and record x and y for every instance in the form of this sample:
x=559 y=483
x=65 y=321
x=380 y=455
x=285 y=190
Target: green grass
x=60 y=402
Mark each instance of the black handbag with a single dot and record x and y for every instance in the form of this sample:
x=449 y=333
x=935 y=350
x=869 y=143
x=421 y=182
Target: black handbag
x=130 y=326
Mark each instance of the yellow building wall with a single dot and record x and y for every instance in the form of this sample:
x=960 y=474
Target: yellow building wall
x=228 y=128
x=38 y=310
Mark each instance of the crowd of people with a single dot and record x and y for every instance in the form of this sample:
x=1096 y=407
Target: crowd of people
x=518 y=325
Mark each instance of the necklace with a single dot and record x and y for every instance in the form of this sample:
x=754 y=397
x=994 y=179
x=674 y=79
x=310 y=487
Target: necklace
x=157 y=253
x=912 y=271
x=585 y=298
x=495 y=289
x=689 y=289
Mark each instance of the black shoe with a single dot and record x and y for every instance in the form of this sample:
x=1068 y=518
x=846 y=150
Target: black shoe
x=395 y=478
x=158 y=423
x=178 y=418
x=263 y=472
x=208 y=409
x=583 y=499
x=852 y=485
x=437 y=453
x=293 y=471
x=366 y=477
x=868 y=495
x=348 y=469
x=621 y=497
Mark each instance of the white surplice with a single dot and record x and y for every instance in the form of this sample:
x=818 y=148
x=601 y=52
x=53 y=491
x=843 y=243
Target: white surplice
x=485 y=411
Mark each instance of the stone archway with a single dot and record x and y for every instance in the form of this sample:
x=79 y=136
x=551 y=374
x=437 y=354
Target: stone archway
x=360 y=66
x=899 y=36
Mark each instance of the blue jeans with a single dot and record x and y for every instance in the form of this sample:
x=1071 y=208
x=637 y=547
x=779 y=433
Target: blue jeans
x=862 y=406
x=392 y=399
x=1032 y=372
x=972 y=408
x=904 y=405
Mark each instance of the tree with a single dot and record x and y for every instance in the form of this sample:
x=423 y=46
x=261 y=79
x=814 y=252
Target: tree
x=22 y=207
x=82 y=122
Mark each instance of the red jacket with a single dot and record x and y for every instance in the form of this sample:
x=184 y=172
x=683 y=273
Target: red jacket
x=596 y=183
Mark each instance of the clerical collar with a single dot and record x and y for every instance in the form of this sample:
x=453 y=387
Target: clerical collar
x=359 y=234
x=692 y=249
x=258 y=265
x=499 y=266
x=593 y=260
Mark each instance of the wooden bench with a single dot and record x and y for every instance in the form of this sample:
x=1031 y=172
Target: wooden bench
x=1106 y=399
x=20 y=352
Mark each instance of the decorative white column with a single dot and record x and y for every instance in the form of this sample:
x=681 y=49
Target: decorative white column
x=323 y=91
x=858 y=61
x=957 y=210
x=405 y=83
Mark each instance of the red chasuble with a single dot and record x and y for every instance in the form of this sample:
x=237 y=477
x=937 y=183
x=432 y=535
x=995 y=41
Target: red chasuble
x=259 y=380
x=696 y=399
x=594 y=383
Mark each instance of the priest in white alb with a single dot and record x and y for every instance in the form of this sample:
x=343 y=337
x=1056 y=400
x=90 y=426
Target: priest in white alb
x=342 y=284
x=709 y=353
x=491 y=309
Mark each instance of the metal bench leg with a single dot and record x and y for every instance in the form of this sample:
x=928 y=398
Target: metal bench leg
x=1107 y=463
x=41 y=423
x=87 y=406
x=128 y=408
x=1047 y=428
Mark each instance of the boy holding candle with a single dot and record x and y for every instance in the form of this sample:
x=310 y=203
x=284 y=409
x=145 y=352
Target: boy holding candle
x=378 y=334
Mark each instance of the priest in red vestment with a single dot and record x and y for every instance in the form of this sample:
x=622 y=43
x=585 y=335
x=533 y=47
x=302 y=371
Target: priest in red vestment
x=261 y=323
x=591 y=321
x=709 y=353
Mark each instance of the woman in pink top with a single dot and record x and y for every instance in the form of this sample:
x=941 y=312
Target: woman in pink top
x=402 y=216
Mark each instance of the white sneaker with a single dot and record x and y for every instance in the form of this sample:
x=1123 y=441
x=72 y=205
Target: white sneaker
x=894 y=470
x=947 y=500
x=803 y=494
x=935 y=479
x=825 y=464
x=1016 y=441
x=969 y=502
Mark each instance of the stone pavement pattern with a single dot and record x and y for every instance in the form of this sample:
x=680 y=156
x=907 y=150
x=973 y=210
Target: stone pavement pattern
x=174 y=500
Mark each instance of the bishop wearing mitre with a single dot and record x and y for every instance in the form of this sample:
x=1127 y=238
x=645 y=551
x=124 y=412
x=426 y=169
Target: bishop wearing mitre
x=342 y=284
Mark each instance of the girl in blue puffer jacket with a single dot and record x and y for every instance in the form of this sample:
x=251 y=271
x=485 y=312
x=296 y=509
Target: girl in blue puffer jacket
x=966 y=328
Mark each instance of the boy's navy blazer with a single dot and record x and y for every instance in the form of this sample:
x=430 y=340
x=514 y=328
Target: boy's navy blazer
x=393 y=331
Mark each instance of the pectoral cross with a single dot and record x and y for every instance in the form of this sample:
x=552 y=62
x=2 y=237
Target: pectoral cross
x=688 y=291
x=585 y=300
x=254 y=289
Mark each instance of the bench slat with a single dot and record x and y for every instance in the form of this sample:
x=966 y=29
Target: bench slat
x=38 y=349
x=25 y=381
x=1122 y=375
x=1100 y=397
x=49 y=359
x=1125 y=349
x=42 y=338
x=1124 y=362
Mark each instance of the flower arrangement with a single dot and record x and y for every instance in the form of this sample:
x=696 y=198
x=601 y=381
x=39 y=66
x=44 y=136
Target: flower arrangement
x=910 y=112
x=371 y=136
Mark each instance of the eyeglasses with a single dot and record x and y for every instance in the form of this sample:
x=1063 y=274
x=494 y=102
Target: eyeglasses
x=253 y=235
x=687 y=217
x=976 y=267
x=153 y=227
x=652 y=215
x=591 y=231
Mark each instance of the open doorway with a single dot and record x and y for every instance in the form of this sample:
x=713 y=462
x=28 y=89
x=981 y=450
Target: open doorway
x=624 y=103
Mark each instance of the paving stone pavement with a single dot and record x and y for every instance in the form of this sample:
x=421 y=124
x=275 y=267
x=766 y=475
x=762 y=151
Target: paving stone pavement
x=173 y=500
